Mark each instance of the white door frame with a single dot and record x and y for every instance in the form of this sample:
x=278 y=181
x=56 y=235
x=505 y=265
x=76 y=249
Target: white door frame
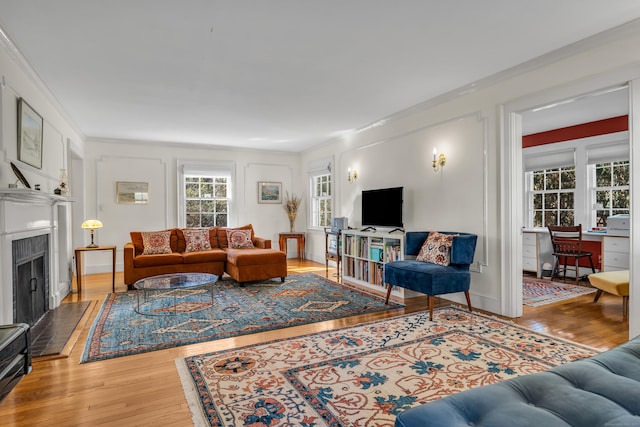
x=512 y=177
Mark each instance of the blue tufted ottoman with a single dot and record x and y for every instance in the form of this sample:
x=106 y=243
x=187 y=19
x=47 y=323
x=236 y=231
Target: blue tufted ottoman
x=603 y=390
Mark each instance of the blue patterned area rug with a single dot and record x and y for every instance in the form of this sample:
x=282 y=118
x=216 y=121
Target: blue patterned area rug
x=364 y=375
x=119 y=330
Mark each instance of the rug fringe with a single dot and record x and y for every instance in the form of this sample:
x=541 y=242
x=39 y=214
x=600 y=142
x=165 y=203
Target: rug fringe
x=191 y=394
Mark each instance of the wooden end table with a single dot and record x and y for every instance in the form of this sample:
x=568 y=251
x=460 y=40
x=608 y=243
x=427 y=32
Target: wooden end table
x=298 y=236
x=81 y=250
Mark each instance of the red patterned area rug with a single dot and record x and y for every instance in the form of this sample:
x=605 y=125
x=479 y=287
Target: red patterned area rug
x=366 y=374
x=541 y=292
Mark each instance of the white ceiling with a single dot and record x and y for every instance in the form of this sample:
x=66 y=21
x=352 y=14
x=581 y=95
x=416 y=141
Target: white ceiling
x=278 y=74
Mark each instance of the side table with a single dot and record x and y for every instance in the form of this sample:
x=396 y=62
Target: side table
x=79 y=253
x=299 y=236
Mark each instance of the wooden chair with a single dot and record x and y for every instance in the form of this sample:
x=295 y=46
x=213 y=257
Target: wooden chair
x=567 y=243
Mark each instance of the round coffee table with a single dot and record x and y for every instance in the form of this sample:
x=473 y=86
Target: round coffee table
x=172 y=283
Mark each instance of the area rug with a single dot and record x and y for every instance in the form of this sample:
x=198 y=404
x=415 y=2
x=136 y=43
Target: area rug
x=540 y=292
x=367 y=374
x=236 y=310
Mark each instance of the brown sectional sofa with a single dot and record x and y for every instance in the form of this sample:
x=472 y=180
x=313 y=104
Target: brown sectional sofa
x=243 y=265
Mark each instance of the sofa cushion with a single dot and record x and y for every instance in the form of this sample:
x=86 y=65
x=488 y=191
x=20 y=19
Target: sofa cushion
x=239 y=239
x=212 y=255
x=182 y=244
x=436 y=249
x=136 y=239
x=156 y=242
x=196 y=239
x=255 y=256
x=158 y=260
x=222 y=235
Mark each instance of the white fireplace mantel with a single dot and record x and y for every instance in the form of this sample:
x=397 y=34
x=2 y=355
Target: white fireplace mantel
x=26 y=213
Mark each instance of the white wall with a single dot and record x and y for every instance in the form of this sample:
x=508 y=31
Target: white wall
x=60 y=136
x=58 y=132
x=398 y=152
x=110 y=162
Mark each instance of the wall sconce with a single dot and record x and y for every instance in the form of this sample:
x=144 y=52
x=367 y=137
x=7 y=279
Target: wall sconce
x=438 y=161
x=352 y=176
x=91 y=225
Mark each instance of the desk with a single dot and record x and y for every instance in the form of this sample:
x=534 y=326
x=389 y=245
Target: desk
x=79 y=252
x=610 y=251
x=299 y=236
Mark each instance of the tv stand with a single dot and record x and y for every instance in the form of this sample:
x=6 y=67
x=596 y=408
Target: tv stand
x=369 y=228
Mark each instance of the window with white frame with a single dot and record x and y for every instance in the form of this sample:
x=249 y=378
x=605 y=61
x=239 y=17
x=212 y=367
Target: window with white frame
x=205 y=195
x=207 y=201
x=321 y=200
x=551 y=196
x=610 y=190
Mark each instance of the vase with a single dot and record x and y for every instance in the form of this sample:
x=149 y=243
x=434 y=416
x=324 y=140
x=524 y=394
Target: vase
x=292 y=223
x=64 y=183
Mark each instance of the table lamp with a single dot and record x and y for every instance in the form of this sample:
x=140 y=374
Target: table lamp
x=92 y=224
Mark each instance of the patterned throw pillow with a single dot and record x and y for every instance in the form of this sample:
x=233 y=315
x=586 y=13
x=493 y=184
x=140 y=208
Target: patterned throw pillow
x=156 y=242
x=436 y=249
x=196 y=239
x=239 y=239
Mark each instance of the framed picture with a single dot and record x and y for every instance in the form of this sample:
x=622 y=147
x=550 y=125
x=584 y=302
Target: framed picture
x=269 y=192
x=132 y=193
x=29 y=135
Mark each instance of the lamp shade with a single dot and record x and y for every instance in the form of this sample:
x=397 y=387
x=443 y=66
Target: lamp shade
x=91 y=224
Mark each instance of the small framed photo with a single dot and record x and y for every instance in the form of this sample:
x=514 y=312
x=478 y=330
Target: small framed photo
x=29 y=135
x=132 y=193
x=269 y=192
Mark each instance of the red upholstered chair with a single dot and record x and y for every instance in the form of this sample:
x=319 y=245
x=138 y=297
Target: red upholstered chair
x=567 y=244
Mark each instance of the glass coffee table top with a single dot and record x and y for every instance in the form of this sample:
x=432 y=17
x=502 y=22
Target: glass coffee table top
x=175 y=281
x=172 y=284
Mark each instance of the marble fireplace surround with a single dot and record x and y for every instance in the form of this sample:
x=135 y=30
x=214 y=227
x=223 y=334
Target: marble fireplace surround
x=26 y=213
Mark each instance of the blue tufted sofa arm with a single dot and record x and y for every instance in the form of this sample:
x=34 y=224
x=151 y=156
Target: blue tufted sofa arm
x=603 y=390
x=463 y=245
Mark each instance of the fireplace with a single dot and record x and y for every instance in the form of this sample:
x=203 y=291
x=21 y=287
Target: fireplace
x=30 y=278
x=35 y=254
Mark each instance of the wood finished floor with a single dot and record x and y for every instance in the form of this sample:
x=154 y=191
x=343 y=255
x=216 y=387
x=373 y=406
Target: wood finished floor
x=144 y=389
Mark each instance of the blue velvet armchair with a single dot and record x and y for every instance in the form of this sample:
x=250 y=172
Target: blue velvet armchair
x=433 y=279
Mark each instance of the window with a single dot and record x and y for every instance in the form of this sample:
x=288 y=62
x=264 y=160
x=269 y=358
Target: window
x=205 y=194
x=207 y=201
x=551 y=196
x=321 y=200
x=610 y=190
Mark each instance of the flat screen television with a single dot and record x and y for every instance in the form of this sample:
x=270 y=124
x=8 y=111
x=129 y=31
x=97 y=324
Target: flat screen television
x=382 y=207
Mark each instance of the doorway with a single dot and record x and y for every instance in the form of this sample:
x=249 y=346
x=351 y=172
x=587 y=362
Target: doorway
x=512 y=180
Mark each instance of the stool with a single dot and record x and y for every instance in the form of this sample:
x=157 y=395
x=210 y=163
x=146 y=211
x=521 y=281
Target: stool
x=612 y=282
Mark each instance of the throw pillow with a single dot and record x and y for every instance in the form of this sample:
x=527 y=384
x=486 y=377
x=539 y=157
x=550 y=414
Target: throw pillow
x=156 y=242
x=196 y=239
x=239 y=239
x=436 y=249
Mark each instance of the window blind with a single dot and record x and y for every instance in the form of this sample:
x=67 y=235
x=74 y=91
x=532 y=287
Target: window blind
x=549 y=160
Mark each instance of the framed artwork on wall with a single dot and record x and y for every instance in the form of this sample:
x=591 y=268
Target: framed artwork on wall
x=132 y=193
x=269 y=192
x=29 y=135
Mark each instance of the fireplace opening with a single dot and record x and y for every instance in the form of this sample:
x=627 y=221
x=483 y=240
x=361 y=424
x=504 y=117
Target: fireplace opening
x=30 y=278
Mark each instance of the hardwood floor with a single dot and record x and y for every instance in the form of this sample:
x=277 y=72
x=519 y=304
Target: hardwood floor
x=144 y=389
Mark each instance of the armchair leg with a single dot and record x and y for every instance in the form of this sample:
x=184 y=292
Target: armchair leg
x=431 y=301
x=389 y=287
x=466 y=294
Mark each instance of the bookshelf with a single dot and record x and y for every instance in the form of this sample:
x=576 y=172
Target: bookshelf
x=364 y=255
